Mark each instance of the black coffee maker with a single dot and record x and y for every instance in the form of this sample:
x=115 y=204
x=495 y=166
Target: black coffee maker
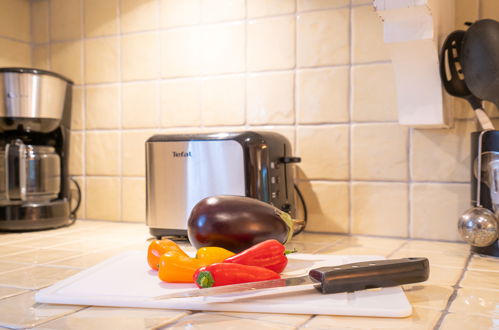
x=35 y=122
x=479 y=225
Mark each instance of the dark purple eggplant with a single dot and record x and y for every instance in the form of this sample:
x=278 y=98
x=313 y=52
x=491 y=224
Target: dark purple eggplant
x=236 y=223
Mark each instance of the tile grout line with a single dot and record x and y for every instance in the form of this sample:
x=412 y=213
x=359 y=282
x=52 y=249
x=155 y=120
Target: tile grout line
x=83 y=110
x=201 y=76
x=286 y=125
x=409 y=183
x=350 y=118
x=245 y=73
x=295 y=89
x=453 y=296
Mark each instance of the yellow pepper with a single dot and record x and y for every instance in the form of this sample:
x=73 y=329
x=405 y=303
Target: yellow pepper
x=176 y=267
x=213 y=254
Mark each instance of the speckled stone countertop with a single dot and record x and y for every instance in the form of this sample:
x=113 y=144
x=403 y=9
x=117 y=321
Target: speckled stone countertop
x=462 y=292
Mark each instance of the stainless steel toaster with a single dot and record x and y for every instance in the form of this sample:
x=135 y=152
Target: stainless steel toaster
x=182 y=169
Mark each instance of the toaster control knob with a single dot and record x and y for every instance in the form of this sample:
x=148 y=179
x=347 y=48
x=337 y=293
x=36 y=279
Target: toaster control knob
x=286 y=207
x=287 y=160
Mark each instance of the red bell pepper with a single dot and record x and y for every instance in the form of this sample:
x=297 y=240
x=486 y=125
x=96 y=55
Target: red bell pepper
x=270 y=254
x=219 y=274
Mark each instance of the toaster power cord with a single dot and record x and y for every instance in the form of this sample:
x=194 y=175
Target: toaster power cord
x=304 y=205
x=72 y=214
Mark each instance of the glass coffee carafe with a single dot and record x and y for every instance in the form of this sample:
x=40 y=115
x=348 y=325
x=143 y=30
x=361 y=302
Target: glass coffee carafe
x=32 y=173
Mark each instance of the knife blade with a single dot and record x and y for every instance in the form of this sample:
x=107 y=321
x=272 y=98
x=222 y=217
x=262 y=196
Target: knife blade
x=334 y=279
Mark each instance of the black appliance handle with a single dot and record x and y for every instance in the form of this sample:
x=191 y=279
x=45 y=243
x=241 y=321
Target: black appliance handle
x=72 y=214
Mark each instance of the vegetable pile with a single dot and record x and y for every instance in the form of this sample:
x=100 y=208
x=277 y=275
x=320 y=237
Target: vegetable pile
x=216 y=266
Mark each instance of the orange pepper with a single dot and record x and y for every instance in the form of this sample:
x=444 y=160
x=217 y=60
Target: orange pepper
x=159 y=247
x=175 y=267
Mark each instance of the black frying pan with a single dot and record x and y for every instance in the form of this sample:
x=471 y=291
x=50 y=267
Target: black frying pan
x=480 y=59
x=453 y=80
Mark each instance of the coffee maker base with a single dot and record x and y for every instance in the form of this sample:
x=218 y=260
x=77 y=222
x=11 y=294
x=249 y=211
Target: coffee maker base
x=32 y=217
x=491 y=250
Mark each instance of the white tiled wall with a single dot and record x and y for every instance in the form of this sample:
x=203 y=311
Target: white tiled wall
x=315 y=70
x=15 y=33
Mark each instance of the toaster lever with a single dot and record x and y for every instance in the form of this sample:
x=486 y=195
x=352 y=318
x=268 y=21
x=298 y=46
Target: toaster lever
x=287 y=160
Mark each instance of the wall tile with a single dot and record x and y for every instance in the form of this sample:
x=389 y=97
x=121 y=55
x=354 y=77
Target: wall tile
x=65 y=19
x=379 y=152
x=140 y=103
x=489 y=9
x=380 y=208
x=180 y=52
x=103 y=198
x=76 y=154
x=327 y=204
x=435 y=209
x=371 y=100
x=181 y=103
x=259 y=8
x=270 y=98
x=223 y=101
x=367 y=36
x=466 y=11
x=217 y=76
x=77 y=112
x=222 y=10
x=100 y=18
x=19 y=53
x=66 y=59
x=133 y=206
x=102 y=153
x=449 y=150
x=139 y=15
x=140 y=56
x=222 y=48
x=304 y=5
x=39 y=21
x=102 y=60
x=15 y=26
x=102 y=107
x=462 y=109
x=176 y=13
x=324 y=152
x=322 y=95
x=323 y=38
x=271 y=44
x=134 y=151
x=40 y=57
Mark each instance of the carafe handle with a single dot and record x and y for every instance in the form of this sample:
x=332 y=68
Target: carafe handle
x=15 y=170
x=493 y=170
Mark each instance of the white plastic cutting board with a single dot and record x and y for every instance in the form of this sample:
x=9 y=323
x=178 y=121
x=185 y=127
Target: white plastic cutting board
x=127 y=281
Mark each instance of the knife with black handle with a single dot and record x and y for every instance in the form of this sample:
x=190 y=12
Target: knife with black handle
x=334 y=279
